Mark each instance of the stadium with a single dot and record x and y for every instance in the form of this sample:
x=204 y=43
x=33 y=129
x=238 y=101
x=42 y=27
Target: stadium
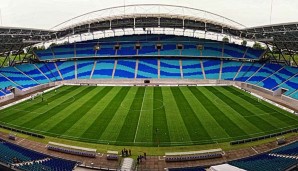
x=149 y=87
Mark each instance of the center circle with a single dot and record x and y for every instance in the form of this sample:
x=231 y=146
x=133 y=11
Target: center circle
x=128 y=104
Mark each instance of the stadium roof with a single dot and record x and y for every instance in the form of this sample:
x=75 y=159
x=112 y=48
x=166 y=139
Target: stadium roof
x=283 y=36
x=13 y=39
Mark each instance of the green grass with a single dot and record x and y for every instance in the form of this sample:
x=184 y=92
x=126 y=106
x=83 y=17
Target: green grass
x=148 y=116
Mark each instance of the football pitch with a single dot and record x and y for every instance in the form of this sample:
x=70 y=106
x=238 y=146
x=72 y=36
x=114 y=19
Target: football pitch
x=149 y=116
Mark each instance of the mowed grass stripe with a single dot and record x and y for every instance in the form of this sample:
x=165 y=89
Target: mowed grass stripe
x=55 y=120
x=216 y=131
x=28 y=103
x=178 y=131
x=30 y=109
x=225 y=122
x=254 y=119
x=234 y=116
x=257 y=112
x=282 y=115
x=144 y=134
x=129 y=128
x=100 y=123
x=81 y=109
x=160 y=125
x=54 y=111
x=114 y=127
x=193 y=125
x=84 y=123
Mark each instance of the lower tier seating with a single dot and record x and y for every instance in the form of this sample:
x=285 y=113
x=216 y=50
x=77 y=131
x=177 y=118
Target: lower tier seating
x=266 y=75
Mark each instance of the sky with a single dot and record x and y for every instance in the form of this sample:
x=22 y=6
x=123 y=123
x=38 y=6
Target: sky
x=45 y=14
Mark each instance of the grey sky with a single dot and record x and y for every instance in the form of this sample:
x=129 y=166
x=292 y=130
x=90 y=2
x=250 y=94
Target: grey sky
x=45 y=14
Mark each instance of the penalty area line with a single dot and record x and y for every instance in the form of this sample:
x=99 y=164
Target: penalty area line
x=140 y=117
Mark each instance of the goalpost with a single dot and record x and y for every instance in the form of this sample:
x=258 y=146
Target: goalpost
x=38 y=94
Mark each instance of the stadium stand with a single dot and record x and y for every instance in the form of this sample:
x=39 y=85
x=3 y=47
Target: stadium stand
x=264 y=162
x=5 y=82
x=46 y=71
x=125 y=68
x=148 y=49
x=170 y=68
x=192 y=69
x=84 y=68
x=106 y=49
x=18 y=77
x=28 y=160
x=147 y=68
x=127 y=49
x=248 y=71
x=210 y=48
x=266 y=75
x=85 y=49
x=103 y=69
x=291 y=85
x=278 y=77
x=33 y=72
x=67 y=69
x=230 y=69
x=211 y=68
x=279 y=159
x=44 y=54
x=233 y=51
x=169 y=49
x=64 y=51
x=294 y=95
x=254 y=53
x=264 y=72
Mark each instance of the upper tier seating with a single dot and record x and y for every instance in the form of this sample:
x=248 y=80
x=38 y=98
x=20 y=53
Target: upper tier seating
x=67 y=69
x=231 y=50
x=253 y=53
x=45 y=54
x=85 y=49
x=33 y=72
x=169 y=68
x=106 y=47
x=125 y=68
x=18 y=77
x=147 y=68
x=65 y=51
x=192 y=69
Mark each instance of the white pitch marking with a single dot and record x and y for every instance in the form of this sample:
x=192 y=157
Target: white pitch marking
x=140 y=116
